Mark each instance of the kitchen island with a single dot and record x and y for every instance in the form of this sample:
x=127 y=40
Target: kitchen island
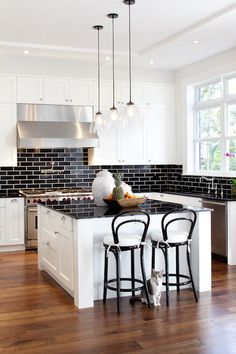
x=70 y=246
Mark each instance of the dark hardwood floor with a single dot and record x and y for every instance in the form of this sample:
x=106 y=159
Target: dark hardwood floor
x=37 y=316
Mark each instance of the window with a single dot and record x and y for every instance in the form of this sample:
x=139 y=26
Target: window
x=215 y=126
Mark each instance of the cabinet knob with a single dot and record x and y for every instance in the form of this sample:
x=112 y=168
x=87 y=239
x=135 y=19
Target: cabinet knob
x=48 y=243
x=149 y=160
x=148 y=104
x=56 y=232
x=13 y=200
x=63 y=218
x=48 y=211
x=71 y=100
x=40 y=99
x=67 y=100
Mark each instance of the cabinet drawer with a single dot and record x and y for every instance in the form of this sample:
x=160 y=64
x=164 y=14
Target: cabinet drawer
x=65 y=222
x=2 y=202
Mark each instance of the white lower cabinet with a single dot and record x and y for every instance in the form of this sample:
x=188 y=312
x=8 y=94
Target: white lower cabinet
x=11 y=222
x=56 y=245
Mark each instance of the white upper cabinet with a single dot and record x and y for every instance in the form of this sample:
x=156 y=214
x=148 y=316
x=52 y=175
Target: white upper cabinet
x=7 y=89
x=106 y=152
x=80 y=92
x=158 y=95
x=29 y=89
x=159 y=139
x=8 y=151
x=130 y=143
x=55 y=91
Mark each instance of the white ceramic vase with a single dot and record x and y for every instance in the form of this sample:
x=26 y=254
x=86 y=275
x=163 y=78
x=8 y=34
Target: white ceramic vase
x=102 y=186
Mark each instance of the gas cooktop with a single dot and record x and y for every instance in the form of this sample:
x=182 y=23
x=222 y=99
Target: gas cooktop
x=54 y=192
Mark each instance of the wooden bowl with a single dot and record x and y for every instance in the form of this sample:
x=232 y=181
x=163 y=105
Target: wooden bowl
x=125 y=203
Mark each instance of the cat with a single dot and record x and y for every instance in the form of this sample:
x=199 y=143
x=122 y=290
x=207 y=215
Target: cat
x=154 y=285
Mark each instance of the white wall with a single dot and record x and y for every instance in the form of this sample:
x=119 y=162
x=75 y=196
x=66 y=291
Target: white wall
x=223 y=63
x=45 y=65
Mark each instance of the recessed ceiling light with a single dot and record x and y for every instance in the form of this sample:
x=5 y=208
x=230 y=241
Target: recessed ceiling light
x=107 y=58
x=26 y=51
x=195 y=41
x=151 y=62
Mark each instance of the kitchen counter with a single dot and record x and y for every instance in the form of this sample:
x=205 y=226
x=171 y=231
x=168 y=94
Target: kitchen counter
x=87 y=209
x=225 y=198
x=70 y=246
x=10 y=194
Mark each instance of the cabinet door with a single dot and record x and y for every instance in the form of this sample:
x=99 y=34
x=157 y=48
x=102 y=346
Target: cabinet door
x=130 y=145
x=106 y=152
x=65 y=257
x=106 y=94
x=79 y=92
x=7 y=89
x=159 y=137
x=123 y=93
x=29 y=89
x=15 y=221
x=55 y=91
x=8 y=150
x=160 y=96
x=49 y=249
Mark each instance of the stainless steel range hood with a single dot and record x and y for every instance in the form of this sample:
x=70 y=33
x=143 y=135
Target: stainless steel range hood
x=55 y=126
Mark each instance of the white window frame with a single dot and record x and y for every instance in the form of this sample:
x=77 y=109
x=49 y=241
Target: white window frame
x=223 y=103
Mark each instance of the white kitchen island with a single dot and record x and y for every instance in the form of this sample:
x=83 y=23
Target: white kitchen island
x=70 y=247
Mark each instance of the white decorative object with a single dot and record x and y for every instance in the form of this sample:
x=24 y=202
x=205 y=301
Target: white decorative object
x=102 y=186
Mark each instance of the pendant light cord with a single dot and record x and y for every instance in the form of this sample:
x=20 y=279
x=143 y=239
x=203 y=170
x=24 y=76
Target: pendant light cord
x=99 y=86
x=113 y=62
x=130 y=78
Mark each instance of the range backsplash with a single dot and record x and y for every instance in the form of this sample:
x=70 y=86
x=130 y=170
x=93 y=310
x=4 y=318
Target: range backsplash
x=74 y=171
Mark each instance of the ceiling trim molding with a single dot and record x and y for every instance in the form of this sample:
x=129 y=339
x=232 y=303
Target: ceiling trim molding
x=57 y=48
x=189 y=29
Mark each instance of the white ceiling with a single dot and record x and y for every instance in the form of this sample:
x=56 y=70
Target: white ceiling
x=162 y=31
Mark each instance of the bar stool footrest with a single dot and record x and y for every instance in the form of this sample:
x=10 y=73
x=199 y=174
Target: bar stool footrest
x=128 y=290
x=180 y=276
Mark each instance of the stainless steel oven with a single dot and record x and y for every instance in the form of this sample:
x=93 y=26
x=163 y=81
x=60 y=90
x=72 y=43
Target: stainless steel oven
x=34 y=196
x=32 y=227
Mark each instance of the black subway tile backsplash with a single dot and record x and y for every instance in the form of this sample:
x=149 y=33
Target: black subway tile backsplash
x=77 y=173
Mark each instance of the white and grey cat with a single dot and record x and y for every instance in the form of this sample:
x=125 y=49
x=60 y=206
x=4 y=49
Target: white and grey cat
x=154 y=285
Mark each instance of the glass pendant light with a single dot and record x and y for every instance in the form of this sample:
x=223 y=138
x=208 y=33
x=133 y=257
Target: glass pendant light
x=98 y=121
x=113 y=114
x=131 y=111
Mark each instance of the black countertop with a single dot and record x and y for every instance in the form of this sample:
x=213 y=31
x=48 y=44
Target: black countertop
x=87 y=209
x=10 y=194
x=225 y=198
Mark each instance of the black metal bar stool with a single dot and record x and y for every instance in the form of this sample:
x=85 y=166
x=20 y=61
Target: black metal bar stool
x=175 y=238
x=120 y=242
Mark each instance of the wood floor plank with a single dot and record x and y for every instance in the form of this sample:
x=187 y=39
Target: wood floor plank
x=37 y=316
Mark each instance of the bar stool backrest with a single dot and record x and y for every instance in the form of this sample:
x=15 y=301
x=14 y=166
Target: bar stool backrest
x=168 y=221
x=117 y=223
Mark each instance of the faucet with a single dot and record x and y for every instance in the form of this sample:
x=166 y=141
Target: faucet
x=211 y=184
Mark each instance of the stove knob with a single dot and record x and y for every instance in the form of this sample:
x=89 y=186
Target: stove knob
x=34 y=201
x=84 y=198
x=68 y=199
x=73 y=199
x=64 y=199
x=39 y=200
